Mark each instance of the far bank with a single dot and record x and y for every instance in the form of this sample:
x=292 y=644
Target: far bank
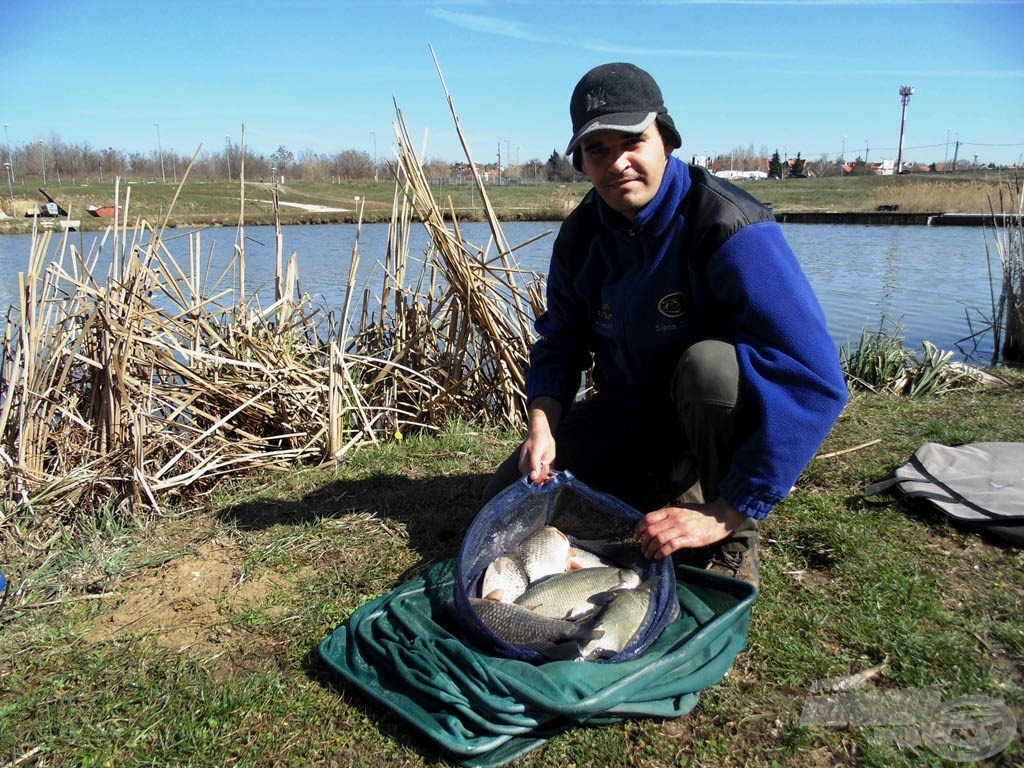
x=917 y=199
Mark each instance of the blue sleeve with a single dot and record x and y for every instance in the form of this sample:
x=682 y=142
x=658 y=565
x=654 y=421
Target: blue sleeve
x=790 y=375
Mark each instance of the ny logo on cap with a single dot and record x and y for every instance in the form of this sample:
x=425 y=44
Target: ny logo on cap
x=596 y=99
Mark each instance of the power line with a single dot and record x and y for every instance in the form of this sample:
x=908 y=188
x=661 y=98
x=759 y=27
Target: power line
x=979 y=144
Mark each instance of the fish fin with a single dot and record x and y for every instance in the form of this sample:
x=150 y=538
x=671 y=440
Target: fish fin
x=582 y=617
x=495 y=594
x=603 y=598
x=650 y=585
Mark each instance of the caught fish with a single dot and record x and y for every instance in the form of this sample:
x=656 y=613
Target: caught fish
x=574 y=594
x=553 y=638
x=543 y=553
x=621 y=552
x=618 y=621
x=504 y=580
x=582 y=558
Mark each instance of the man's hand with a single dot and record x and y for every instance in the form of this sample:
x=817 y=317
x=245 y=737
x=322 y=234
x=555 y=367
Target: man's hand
x=687 y=526
x=538 y=451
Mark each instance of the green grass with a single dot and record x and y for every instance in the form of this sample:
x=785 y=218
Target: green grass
x=191 y=639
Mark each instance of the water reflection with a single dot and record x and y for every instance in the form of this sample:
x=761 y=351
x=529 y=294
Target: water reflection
x=889 y=274
x=934 y=278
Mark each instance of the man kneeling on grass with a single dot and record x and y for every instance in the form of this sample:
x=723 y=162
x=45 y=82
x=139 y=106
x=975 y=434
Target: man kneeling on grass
x=716 y=378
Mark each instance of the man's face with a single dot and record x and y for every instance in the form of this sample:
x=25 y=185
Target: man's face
x=626 y=169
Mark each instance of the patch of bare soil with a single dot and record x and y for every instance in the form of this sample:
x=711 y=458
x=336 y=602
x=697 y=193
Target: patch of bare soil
x=186 y=603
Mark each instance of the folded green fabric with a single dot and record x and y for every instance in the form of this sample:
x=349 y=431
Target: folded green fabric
x=404 y=651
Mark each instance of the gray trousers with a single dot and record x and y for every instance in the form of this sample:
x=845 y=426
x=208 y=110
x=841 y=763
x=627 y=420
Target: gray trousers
x=648 y=457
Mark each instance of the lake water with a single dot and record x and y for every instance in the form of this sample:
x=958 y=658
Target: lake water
x=931 y=277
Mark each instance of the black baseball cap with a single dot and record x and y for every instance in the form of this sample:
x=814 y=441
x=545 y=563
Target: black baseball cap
x=618 y=97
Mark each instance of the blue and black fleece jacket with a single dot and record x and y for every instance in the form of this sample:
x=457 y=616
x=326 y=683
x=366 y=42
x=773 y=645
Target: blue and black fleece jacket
x=703 y=259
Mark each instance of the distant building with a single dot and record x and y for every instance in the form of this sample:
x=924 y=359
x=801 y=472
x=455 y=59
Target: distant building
x=741 y=174
x=701 y=160
x=886 y=168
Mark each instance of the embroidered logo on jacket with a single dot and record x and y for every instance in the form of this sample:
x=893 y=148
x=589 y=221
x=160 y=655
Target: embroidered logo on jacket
x=671 y=305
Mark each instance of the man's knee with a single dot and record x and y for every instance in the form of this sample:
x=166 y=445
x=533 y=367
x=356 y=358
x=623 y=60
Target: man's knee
x=707 y=374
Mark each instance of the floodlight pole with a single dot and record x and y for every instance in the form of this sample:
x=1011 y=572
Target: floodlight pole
x=906 y=91
x=10 y=186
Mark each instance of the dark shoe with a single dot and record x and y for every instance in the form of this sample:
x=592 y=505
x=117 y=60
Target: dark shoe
x=736 y=557
x=740 y=564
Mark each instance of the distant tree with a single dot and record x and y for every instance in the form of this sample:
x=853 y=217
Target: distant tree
x=775 y=166
x=139 y=163
x=352 y=164
x=740 y=158
x=436 y=168
x=531 y=171
x=826 y=167
x=282 y=158
x=559 y=168
x=796 y=170
x=313 y=166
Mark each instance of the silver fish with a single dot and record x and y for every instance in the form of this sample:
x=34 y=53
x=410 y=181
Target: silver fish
x=553 y=638
x=504 y=580
x=618 y=621
x=543 y=553
x=582 y=558
x=574 y=594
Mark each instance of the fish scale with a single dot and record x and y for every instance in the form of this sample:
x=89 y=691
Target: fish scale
x=554 y=638
x=576 y=593
x=505 y=579
x=618 y=621
x=543 y=553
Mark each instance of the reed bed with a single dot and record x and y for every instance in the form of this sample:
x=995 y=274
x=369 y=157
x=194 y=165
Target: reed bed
x=145 y=383
x=929 y=196
x=1008 y=306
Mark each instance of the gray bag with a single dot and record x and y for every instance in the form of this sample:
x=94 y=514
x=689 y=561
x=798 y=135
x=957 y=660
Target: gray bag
x=978 y=484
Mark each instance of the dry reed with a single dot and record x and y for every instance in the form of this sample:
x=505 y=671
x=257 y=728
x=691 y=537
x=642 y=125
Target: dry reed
x=1008 y=308
x=151 y=381
x=932 y=196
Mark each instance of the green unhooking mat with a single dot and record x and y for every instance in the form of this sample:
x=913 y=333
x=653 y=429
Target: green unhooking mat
x=404 y=651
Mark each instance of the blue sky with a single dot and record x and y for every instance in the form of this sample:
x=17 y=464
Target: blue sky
x=810 y=77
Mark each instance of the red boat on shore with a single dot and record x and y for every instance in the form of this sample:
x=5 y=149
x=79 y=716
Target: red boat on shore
x=104 y=211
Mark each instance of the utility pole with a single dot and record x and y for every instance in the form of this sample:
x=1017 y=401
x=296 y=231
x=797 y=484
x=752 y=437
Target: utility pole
x=10 y=188
x=956 y=151
x=906 y=91
x=160 y=152
x=373 y=135
x=10 y=157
